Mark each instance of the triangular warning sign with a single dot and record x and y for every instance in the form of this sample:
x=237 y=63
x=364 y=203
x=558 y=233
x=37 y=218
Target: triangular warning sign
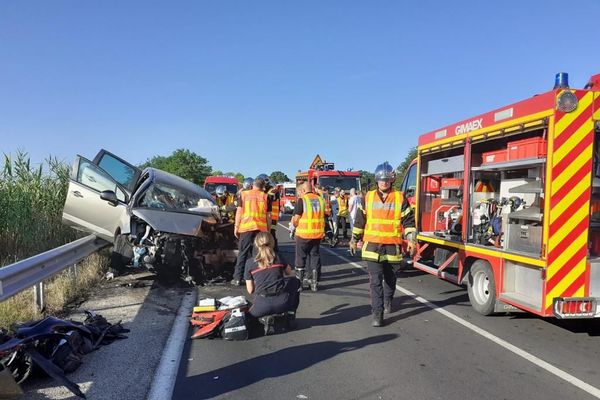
x=317 y=161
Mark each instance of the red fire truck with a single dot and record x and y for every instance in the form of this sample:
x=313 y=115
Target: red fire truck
x=325 y=174
x=288 y=197
x=230 y=182
x=508 y=203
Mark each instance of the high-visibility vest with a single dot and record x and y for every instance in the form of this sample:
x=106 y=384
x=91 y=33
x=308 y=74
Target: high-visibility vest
x=254 y=211
x=383 y=218
x=343 y=206
x=312 y=222
x=274 y=205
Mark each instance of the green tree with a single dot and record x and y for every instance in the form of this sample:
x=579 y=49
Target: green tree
x=367 y=180
x=240 y=177
x=183 y=163
x=217 y=173
x=403 y=167
x=279 y=177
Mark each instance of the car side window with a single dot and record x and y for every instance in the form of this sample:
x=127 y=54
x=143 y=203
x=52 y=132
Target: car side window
x=410 y=181
x=118 y=170
x=93 y=177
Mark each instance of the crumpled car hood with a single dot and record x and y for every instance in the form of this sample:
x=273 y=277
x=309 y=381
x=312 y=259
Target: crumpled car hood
x=171 y=222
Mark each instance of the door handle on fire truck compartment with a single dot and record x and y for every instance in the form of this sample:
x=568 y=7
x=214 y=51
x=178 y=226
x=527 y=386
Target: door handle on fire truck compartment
x=77 y=193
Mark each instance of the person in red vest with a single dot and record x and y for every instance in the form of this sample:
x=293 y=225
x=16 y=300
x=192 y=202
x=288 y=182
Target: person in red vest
x=387 y=215
x=309 y=220
x=253 y=216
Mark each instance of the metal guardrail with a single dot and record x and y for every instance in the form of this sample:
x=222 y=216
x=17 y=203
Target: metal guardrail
x=27 y=273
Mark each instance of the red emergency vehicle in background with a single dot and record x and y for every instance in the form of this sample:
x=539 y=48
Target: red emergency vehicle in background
x=288 y=197
x=230 y=182
x=325 y=174
x=508 y=203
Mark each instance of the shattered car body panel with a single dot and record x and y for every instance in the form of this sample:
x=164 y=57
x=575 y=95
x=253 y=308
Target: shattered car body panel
x=155 y=219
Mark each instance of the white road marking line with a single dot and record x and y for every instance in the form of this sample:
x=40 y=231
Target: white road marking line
x=594 y=391
x=166 y=373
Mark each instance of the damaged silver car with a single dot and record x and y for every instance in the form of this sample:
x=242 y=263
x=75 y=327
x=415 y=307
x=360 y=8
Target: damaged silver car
x=153 y=218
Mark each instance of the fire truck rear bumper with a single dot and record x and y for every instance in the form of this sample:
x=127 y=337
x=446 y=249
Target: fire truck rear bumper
x=576 y=307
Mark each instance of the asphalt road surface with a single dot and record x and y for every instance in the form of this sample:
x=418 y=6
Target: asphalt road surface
x=421 y=353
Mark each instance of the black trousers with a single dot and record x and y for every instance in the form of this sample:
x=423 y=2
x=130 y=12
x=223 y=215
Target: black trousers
x=308 y=256
x=382 y=277
x=246 y=246
x=287 y=300
x=274 y=234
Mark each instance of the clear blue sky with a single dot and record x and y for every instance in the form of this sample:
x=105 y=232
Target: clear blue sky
x=257 y=86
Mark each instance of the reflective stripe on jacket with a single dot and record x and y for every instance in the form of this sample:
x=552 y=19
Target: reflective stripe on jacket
x=383 y=218
x=312 y=222
x=254 y=211
x=274 y=197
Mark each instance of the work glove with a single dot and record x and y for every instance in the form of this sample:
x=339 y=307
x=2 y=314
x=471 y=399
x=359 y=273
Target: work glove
x=352 y=247
x=411 y=245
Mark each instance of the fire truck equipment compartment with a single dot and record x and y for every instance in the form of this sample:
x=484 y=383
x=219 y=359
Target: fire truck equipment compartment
x=446 y=165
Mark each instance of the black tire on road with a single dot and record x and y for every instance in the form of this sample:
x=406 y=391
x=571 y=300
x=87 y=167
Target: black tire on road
x=482 y=287
x=122 y=254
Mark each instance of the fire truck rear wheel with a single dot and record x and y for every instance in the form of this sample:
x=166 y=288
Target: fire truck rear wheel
x=482 y=287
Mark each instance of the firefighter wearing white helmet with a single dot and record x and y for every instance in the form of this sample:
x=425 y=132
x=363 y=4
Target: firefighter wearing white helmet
x=225 y=201
x=386 y=217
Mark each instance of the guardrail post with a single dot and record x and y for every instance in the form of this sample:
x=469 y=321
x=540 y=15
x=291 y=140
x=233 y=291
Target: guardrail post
x=38 y=294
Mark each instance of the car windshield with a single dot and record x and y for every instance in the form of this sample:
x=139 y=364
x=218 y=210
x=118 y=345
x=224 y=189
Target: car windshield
x=211 y=187
x=343 y=182
x=290 y=192
x=171 y=198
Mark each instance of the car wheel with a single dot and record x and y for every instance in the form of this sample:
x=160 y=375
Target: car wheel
x=482 y=287
x=122 y=254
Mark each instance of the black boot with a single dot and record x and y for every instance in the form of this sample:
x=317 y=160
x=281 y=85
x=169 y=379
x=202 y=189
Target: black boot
x=268 y=323
x=290 y=320
x=377 y=319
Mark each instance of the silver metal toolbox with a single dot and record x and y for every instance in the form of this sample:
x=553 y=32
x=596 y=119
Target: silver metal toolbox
x=526 y=238
x=446 y=165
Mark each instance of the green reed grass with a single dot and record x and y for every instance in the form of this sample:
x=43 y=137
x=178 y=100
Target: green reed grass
x=31 y=202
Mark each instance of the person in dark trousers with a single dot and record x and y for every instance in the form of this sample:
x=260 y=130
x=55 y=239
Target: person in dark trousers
x=253 y=216
x=386 y=216
x=309 y=220
x=272 y=282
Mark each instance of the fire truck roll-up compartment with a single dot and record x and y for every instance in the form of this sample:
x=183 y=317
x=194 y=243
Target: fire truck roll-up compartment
x=508 y=204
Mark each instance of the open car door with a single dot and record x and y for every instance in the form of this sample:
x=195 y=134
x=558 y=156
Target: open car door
x=84 y=209
x=120 y=170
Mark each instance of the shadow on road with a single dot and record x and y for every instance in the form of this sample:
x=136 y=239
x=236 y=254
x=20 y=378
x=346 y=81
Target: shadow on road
x=273 y=365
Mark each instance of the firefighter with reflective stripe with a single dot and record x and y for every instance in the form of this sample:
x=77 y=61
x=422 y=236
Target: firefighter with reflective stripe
x=309 y=220
x=253 y=215
x=386 y=216
x=274 y=199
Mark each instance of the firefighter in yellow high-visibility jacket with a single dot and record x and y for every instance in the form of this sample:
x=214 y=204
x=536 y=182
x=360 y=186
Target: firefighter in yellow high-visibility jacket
x=386 y=217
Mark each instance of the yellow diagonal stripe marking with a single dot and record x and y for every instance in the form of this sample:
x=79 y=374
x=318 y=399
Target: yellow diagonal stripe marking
x=564 y=230
x=580 y=161
x=559 y=289
x=597 y=112
x=566 y=255
x=577 y=191
x=568 y=118
x=584 y=130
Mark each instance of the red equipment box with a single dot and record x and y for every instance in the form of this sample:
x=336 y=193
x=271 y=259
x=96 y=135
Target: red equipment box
x=432 y=185
x=451 y=183
x=527 y=148
x=492 y=157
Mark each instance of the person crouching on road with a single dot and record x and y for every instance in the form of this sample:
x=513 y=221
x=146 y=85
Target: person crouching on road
x=273 y=283
x=309 y=220
x=253 y=216
x=386 y=214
